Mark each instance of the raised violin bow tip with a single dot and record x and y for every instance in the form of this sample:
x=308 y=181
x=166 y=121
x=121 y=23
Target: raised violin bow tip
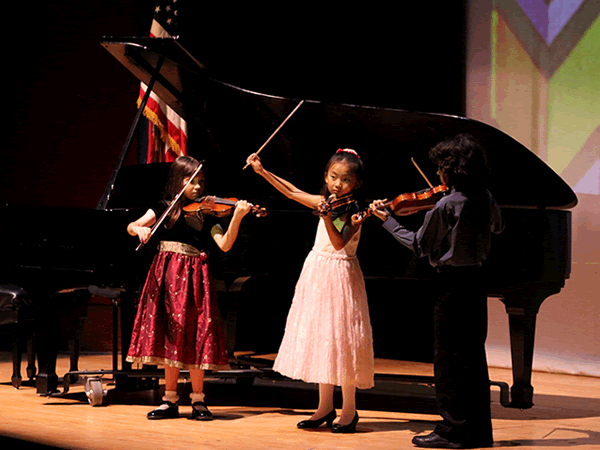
x=278 y=128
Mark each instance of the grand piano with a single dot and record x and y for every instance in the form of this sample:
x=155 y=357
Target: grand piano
x=529 y=262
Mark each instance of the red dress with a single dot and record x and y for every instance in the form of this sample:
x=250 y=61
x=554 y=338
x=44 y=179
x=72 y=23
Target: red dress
x=178 y=322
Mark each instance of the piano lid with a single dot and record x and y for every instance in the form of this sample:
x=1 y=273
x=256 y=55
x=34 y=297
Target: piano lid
x=236 y=122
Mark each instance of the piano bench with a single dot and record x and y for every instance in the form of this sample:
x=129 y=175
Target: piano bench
x=16 y=312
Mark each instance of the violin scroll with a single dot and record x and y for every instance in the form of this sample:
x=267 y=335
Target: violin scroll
x=361 y=215
x=333 y=203
x=258 y=211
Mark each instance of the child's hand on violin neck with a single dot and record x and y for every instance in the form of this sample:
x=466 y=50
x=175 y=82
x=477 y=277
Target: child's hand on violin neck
x=242 y=208
x=377 y=209
x=324 y=207
x=143 y=233
x=254 y=161
x=358 y=218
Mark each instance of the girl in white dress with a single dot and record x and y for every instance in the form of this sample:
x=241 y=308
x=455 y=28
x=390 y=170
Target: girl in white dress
x=328 y=337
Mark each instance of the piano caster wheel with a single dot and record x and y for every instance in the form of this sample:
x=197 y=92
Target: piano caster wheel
x=94 y=391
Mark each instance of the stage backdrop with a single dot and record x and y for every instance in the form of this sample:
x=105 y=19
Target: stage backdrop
x=533 y=71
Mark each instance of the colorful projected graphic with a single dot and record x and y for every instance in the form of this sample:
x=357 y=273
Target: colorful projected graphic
x=544 y=81
x=533 y=70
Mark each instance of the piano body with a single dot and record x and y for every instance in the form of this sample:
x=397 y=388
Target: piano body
x=529 y=262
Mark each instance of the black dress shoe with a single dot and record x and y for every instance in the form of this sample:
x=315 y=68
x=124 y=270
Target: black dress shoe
x=434 y=440
x=350 y=428
x=166 y=410
x=201 y=412
x=329 y=418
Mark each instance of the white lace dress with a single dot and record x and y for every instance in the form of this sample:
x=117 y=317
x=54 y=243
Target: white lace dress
x=328 y=336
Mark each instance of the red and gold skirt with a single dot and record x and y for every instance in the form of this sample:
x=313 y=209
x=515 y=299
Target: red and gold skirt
x=178 y=322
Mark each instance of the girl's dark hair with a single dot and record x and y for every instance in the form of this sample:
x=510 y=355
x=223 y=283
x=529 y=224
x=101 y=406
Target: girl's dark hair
x=462 y=160
x=182 y=167
x=347 y=156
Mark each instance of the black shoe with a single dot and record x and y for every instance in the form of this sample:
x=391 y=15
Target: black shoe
x=201 y=412
x=329 y=418
x=350 y=428
x=166 y=410
x=434 y=440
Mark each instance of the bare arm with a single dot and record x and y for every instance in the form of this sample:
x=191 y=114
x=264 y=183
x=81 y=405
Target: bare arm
x=283 y=186
x=225 y=241
x=141 y=226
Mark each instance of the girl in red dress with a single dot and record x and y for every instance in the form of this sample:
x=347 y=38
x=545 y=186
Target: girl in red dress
x=178 y=323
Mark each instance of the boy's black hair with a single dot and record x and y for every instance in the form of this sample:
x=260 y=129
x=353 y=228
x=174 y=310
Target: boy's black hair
x=462 y=160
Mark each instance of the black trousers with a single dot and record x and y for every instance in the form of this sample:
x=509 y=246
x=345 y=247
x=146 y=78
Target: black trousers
x=460 y=363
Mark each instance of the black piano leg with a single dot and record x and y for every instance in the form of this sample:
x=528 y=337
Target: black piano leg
x=126 y=310
x=31 y=369
x=522 y=322
x=23 y=333
x=75 y=333
x=47 y=380
x=522 y=318
x=16 y=356
x=522 y=336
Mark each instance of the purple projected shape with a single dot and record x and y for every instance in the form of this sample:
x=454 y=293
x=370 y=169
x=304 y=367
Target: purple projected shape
x=560 y=12
x=548 y=21
x=590 y=183
x=537 y=12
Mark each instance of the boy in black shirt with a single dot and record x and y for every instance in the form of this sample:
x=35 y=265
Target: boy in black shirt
x=456 y=236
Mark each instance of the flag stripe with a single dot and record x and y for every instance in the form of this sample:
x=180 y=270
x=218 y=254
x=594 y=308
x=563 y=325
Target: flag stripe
x=168 y=134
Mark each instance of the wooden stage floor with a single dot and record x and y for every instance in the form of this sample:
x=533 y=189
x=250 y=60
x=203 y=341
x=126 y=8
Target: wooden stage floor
x=264 y=416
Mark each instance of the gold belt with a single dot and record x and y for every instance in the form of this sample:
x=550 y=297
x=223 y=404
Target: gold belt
x=179 y=247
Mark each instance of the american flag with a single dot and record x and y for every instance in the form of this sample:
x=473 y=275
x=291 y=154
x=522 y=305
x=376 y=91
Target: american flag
x=167 y=136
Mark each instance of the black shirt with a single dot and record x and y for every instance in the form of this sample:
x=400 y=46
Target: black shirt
x=194 y=231
x=456 y=232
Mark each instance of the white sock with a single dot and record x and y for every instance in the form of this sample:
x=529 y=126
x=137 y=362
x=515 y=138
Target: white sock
x=196 y=397
x=171 y=396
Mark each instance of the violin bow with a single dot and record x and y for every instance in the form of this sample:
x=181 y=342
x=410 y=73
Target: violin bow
x=421 y=172
x=159 y=222
x=388 y=203
x=277 y=130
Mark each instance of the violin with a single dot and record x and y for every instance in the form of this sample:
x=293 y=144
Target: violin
x=412 y=202
x=217 y=206
x=333 y=203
